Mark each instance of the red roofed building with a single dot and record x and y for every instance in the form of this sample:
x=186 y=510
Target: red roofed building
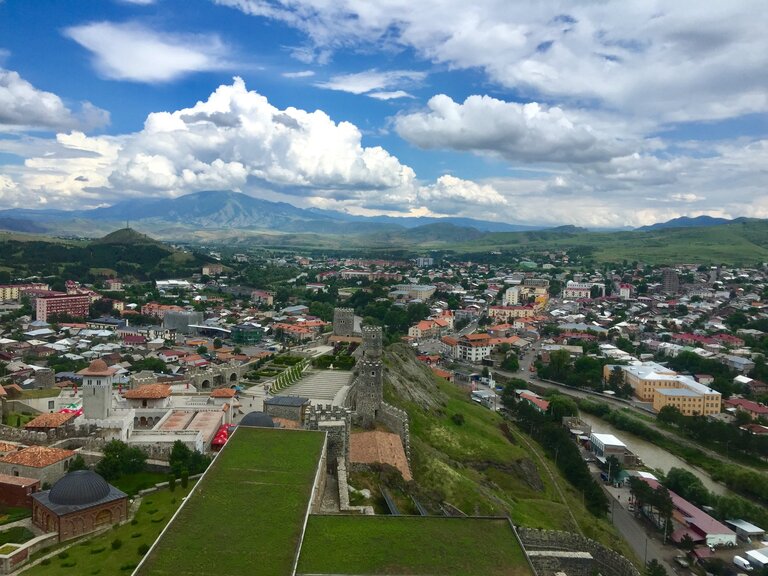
x=754 y=409
x=696 y=523
x=41 y=462
x=17 y=491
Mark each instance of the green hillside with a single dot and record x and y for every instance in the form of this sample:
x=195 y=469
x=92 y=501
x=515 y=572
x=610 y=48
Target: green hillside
x=126 y=252
x=482 y=466
x=738 y=243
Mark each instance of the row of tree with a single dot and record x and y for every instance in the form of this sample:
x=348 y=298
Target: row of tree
x=547 y=431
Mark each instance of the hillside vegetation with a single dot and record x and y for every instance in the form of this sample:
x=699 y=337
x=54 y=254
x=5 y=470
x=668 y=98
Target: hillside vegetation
x=126 y=252
x=482 y=466
x=741 y=242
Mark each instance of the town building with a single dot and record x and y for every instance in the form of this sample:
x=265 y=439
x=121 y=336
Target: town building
x=79 y=503
x=75 y=305
x=652 y=382
x=40 y=462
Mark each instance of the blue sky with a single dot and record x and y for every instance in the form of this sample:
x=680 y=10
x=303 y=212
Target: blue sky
x=589 y=113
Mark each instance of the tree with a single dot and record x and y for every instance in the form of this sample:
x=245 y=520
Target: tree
x=686 y=543
x=614 y=468
x=202 y=349
x=120 y=459
x=654 y=568
x=670 y=415
x=560 y=407
x=182 y=458
x=510 y=363
x=216 y=344
x=77 y=463
x=616 y=379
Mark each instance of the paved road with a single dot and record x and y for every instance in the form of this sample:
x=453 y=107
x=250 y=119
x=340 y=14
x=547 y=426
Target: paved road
x=646 y=546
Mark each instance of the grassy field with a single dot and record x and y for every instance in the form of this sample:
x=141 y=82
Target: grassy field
x=247 y=511
x=410 y=545
x=732 y=243
x=10 y=514
x=478 y=466
x=132 y=483
x=15 y=535
x=97 y=556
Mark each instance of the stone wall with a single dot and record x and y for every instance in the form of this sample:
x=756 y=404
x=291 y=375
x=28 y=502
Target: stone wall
x=336 y=422
x=397 y=421
x=607 y=562
x=553 y=562
x=344 y=505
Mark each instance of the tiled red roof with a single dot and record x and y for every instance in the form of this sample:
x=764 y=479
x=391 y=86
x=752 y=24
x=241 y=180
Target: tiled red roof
x=50 y=420
x=37 y=456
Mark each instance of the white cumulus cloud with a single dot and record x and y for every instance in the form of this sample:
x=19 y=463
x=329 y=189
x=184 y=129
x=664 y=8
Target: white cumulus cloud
x=527 y=132
x=131 y=51
x=677 y=61
x=23 y=106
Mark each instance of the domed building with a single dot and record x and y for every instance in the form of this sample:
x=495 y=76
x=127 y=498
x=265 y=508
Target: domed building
x=79 y=503
x=258 y=419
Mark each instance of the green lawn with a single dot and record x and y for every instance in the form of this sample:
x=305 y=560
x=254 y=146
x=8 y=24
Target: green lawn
x=411 y=545
x=15 y=535
x=132 y=483
x=96 y=555
x=9 y=514
x=247 y=513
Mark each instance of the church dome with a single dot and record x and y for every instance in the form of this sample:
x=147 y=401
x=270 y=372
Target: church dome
x=79 y=488
x=98 y=365
x=258 y=419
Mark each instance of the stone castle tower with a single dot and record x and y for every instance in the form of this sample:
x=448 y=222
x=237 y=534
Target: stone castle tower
x=343 y=321
x=370 y=385
x=97 y=390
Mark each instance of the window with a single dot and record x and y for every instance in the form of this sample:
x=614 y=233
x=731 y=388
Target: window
x=51 y=404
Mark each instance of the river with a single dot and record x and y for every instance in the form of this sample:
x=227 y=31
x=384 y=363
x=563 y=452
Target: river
x=652 y=455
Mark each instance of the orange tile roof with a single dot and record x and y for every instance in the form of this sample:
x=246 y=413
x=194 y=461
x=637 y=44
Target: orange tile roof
x=148 y=392
x=2 y=391
x=7 y=479
x=379 y=447
x=223 y=393
x=7 y=447
x=37 y=456
x=50 y=420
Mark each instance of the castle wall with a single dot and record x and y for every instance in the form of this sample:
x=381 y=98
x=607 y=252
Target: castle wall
x=607 y=562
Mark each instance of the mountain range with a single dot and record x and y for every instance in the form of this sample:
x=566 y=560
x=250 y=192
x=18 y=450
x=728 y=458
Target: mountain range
x=220 y=215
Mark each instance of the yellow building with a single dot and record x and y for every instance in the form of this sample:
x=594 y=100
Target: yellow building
x=661 y=386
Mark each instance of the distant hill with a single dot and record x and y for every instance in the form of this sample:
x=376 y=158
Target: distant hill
x=129 y=237
x=222 y=210
x=687 y=222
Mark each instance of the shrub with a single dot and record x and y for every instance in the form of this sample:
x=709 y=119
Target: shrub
x=98 y=550
x=184 y=478
x=128 y=567
x=136 y=535
x=143 y=548
x=458 y=418
x=69 y=564
x=134 y=522
x=63 y=555
x=45 y=561
x=116 y=543
x=171 y=482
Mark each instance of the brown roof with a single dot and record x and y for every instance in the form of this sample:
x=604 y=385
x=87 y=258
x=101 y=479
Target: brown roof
x=223 y=393
x=17 y=480
x=149 y=392
x=6 y=447
x=2 y=391
x=37 y=456
x=50 y=420
x=97 y=368
x=379 y=447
